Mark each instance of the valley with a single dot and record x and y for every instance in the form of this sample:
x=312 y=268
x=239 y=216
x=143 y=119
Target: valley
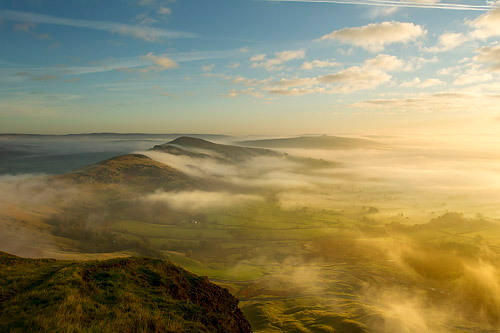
x=214 y=210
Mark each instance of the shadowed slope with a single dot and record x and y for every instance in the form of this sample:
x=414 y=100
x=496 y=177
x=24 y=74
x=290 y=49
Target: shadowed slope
x=125 y=295
x=231 y=153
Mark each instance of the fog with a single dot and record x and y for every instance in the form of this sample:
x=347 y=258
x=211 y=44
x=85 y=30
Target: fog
x=199 y=201
x=399 y=239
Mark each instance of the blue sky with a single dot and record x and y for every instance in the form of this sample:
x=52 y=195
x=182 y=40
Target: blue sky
x=249 y=67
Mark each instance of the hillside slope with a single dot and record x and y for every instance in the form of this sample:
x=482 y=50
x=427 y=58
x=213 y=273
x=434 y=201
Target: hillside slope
x=117 y=295
x=132 y=169
x=229 y=152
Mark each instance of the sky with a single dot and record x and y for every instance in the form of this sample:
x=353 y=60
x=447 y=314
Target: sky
x=249 y=67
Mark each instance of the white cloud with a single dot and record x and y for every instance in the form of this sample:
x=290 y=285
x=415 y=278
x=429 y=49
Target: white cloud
x=385 y=62
x=373 y=73
x=490 y=55
x=249 y=92
x=233 y=65
x=417 y=83
x=486 y=25
x=357 y=78
x=374 y=37
x=258 y=57
x=382 y=11
x=165 y=11
x=448 y=41
x=482 y=97
x=298 y=91
x=208 y=68
x=480 y=68
x=141 y=32
x=161 y=63
x=319 y=64
x=275 y=63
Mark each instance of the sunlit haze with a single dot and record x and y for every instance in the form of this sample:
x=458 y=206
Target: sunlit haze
x=250 y=166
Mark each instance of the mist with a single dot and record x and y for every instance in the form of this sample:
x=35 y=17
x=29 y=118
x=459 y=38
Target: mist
x=402 y=238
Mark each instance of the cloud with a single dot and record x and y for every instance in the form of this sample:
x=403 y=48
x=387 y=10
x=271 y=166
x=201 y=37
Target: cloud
x=448 y=41
x=319 y=64
x=144 y=19
x=279 y=59
x=44 y=78
x=28 y=27
x=429 y=4
x=357 y=78
x=159 y=64
x=382 y=11
x=249 y=92
x=258 y=57
x=417 y=83
x=385 y=62
x=165 y=11
x=486 y=25
x=375 y=36
x=208 y=68
x=200 y=200
x=372 y=73
x=476 y=98
x=162 y=63
x=490 y=55
x=472 y=75
x=480 y=68
x=141 y=32
x=233 y=65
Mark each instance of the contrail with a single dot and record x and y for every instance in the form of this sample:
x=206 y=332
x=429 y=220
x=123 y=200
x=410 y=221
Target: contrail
x=146 y=33
x=394 y=3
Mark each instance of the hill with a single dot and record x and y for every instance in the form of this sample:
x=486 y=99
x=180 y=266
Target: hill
x=117 y=295
x=314 y=142
x=203 y=149
x=131 y=169
x=227 y=152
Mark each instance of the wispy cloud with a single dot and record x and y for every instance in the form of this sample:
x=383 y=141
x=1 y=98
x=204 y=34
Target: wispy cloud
x=142 y=32
x=395 y=3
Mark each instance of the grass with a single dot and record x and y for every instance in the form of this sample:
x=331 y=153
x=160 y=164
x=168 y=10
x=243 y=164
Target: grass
x=118 y=295
x=145 y=229
x=240 y=272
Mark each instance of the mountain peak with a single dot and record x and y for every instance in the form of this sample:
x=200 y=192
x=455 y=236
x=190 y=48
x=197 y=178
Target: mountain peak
x=189 y=141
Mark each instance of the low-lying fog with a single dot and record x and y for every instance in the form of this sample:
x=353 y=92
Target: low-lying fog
x=415 y=284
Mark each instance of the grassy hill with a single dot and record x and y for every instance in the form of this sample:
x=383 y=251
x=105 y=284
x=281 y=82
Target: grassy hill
x=117 y=295
x=131 y=169
x=314 y=142
x=203 y=149
x=229 y=152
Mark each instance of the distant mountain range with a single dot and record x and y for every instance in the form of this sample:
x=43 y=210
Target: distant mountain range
x=315 y=142
x=58 y=154
x=109 y=134
x=203 y=148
